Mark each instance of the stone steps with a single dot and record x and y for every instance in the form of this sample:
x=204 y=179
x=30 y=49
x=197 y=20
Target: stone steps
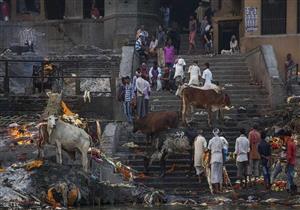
x=226 y=70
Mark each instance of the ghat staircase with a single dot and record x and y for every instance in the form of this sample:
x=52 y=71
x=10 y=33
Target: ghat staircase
x=249 y=101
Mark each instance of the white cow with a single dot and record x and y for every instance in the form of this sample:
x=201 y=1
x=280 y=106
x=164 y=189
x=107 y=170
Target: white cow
x=68 y=137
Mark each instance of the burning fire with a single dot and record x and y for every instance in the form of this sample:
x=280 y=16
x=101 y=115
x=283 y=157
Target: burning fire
x=21 y=135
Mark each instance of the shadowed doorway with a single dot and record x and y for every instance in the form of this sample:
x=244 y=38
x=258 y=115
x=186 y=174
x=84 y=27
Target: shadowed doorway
x=181 y=11
x=55 y=9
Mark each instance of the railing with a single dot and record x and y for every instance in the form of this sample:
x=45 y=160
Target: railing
x=102 y=86
x=61 y=73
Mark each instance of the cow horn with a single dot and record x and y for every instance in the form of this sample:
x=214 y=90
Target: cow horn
x=48 y=93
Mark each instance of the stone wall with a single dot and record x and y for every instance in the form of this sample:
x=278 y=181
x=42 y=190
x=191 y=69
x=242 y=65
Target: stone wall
x=54 y=36
x=263 y=67
x=282 y=44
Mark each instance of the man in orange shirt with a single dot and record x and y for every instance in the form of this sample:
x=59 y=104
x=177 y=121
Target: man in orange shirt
x=254 y=157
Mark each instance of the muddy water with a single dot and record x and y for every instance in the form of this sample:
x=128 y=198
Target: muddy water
x=184 y=208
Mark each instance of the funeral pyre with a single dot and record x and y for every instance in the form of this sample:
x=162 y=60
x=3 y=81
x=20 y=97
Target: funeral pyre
x=28 y=182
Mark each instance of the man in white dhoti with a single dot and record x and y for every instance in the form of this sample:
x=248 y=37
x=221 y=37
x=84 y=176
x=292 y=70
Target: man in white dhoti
x=207 y=76
x=215 y=146
x=200 y=146
x=179 y=71
x=195 y=74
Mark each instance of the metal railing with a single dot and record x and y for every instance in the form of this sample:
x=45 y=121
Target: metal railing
x=58 y=78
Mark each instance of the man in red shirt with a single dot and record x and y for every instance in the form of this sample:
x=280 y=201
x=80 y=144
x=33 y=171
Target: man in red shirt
x=254 y=140
x=291 y=161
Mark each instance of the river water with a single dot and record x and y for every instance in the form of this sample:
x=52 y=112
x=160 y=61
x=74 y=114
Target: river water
x=185 y=208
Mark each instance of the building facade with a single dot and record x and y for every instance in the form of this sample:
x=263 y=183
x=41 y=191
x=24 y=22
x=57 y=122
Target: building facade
x=258 y=22
x=68 y=22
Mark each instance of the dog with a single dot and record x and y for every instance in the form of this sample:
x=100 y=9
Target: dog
x=226 y=52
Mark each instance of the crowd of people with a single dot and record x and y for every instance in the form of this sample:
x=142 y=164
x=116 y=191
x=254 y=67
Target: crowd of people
x=253 y=155
x=134 y=93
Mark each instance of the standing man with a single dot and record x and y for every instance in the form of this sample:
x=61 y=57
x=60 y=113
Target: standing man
x=254 y=139
x=195 y=74
x=179 y=71
x=146 y=92
x=264 y=149
x=207 y=77
x=140 y=86
x=192 y=33
x=291 y=161
x=200 y=146
x=215 y=146
x=242 y=148
x=200 y=11
x=161 y=38
x=154 y=73
x=129 y=94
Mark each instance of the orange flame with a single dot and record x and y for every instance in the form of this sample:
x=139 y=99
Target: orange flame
x=21 y=134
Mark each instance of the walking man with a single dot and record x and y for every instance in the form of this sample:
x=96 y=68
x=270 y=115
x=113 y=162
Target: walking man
x=179 y=71
x=146 y=92
x=195 y=74
x=200 y=146
x=215 y=146
x=140 y=86
x=207 y=77
x=291 y=161
x=242 y=148
x=254 y=139
x=264 y=149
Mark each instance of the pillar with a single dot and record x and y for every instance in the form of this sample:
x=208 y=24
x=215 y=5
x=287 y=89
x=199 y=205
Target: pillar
x=42 y=10
x=291 y=17
x=13 y=9
x=73 y=9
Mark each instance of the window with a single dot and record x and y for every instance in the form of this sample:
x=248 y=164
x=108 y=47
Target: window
x=28 y=7
x=273 y=17
x=298 y=16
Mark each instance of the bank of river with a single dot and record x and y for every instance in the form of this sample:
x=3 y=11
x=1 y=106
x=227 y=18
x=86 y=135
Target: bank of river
x=262 y=207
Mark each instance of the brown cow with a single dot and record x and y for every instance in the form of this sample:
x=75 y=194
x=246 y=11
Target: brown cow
x=155 y=122
x=203 y=99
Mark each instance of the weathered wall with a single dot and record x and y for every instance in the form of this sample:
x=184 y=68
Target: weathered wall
x=55 y=35
x=282 y=44
x=122 y=20
x=263 y=67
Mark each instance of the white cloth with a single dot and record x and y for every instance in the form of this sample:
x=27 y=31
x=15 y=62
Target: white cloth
x=179 y=65
x=225 y=143
x=242 y=147
x=141 y=84
x=153 y=44
x=215 y=146
x=216 y=173
x=194 y=72
x=207 y=76
x=233 y=44
x=200 y=145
